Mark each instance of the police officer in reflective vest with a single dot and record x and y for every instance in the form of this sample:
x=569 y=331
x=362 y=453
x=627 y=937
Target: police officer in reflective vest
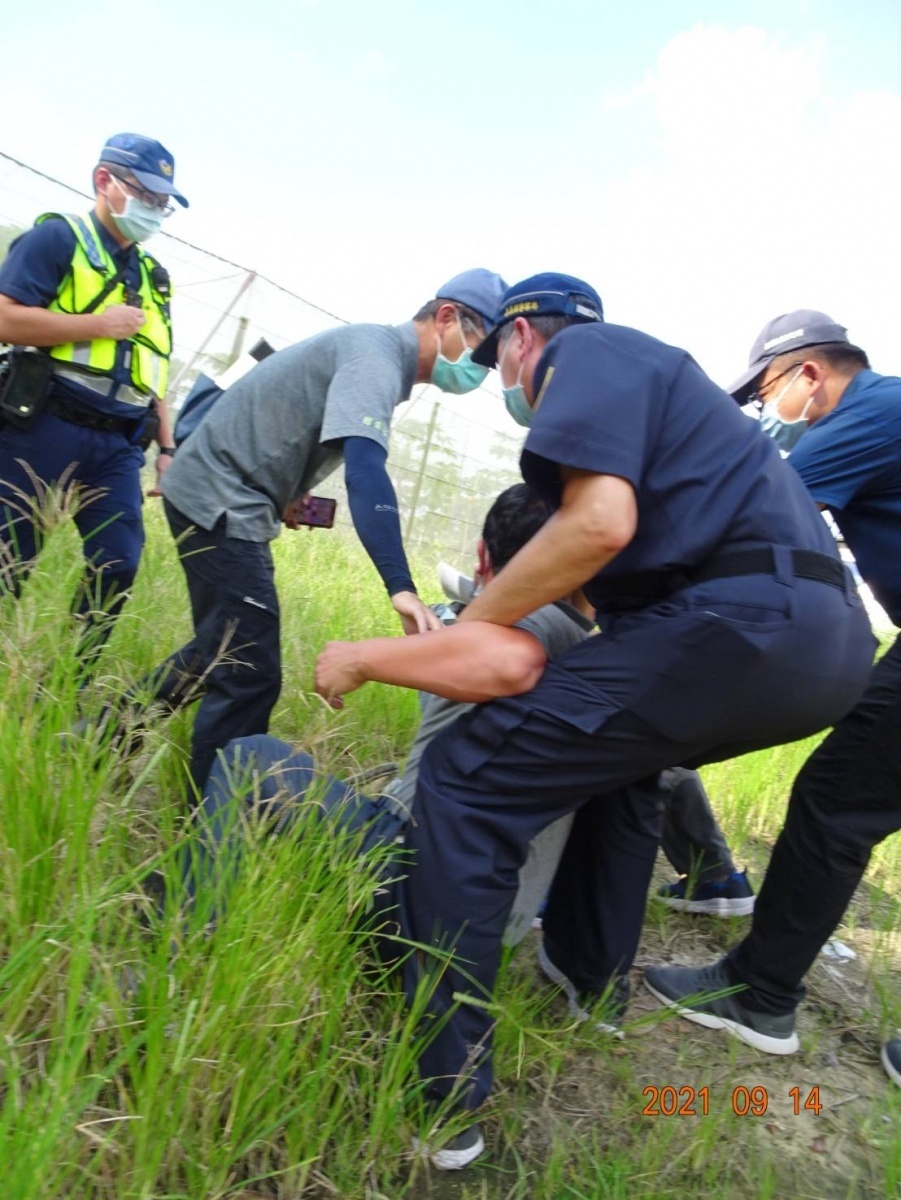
x=89 y=308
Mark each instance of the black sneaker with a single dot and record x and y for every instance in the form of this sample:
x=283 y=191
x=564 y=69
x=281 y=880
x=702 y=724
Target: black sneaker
x=577 y=1003
x=731 y=897
x=891 y=1060
x=697 y=993
x=456 y=1154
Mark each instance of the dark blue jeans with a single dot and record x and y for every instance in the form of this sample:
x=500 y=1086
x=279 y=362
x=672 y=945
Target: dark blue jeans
x=845 y=800
x=262 y=779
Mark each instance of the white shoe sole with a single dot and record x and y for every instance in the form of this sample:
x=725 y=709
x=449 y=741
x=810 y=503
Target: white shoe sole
x=452 y=1160
x=760 y=1041
x=456 y=1160
x=720 y=907
x=890 y=1069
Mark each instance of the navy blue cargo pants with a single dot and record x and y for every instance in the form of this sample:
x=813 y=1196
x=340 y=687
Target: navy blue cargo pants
x=719 y=669
x=105 y=466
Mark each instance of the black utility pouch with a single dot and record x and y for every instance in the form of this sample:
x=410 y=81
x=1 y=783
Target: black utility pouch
x=25 y=378
x=150 y=429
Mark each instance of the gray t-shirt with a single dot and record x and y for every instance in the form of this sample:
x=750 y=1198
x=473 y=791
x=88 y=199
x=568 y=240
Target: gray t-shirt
x=557 y=626
x=277 y=431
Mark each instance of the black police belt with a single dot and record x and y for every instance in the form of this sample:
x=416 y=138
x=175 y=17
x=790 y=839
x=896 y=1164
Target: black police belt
x=101 y=385
x=91 y=420
x=650 y=587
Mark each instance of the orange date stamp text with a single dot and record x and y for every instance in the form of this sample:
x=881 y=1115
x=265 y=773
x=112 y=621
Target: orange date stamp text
x=753 y=1101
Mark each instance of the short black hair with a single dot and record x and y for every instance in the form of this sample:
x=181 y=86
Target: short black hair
x=513 y=519
x=840 y=356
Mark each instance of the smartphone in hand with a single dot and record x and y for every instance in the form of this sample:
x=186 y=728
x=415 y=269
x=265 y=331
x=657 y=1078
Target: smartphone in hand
x=314 y=510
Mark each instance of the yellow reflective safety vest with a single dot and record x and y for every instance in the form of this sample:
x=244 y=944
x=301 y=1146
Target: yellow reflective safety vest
x=91 y=269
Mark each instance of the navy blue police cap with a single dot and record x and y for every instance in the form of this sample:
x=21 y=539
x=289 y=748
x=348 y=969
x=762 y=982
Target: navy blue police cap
x=148 y=161
x=544 y=295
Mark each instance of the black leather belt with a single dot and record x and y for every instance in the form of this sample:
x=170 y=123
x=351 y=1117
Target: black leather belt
x=806 y=564
x=649 y=587
x=91 y=420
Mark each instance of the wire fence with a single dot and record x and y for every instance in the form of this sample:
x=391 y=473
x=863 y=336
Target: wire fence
x=447 y=464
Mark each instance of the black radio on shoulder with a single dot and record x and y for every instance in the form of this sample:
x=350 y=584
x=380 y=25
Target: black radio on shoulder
x=159 y=279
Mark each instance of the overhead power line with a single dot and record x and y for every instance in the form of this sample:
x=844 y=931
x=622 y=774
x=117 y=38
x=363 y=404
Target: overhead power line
x=182 y=242
x=218 y=257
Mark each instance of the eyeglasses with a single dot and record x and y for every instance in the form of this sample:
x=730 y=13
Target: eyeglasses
x=758 y=397
x=150 y=199
x=468 y=327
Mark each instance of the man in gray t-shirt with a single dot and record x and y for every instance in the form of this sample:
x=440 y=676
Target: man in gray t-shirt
x=270 y=438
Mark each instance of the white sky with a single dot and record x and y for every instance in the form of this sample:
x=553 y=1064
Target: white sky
x=705 y=165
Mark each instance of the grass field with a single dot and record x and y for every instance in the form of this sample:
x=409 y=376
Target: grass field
x=154 y=1059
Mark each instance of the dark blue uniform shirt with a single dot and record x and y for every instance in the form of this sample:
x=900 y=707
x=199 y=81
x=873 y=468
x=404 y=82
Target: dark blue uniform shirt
x=615 y=401
x=36 y=265
x=850 y=461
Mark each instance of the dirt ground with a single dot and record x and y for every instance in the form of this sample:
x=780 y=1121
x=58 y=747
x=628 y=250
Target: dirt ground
x=838 y=1153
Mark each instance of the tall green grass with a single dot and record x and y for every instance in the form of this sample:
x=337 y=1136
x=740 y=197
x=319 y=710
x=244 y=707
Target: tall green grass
x=158 y=1054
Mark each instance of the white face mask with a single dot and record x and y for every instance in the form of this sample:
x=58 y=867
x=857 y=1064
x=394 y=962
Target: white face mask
x=785 y=434
x=137 y=221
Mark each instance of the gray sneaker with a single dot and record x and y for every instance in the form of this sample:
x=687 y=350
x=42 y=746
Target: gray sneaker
x=698 y=994
x=454 y=584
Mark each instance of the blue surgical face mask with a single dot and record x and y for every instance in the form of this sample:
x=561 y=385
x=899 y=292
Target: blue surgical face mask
x=517 y=405
x=460 y=375
x=786 y=434
x=515 y=396
x=137 y=221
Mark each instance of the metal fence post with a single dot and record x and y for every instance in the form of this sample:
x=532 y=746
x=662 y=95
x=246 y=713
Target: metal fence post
x=420 y=474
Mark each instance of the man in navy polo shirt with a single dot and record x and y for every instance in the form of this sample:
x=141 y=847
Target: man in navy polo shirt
x=96 y=306
x=716 y=585
x=842 y=424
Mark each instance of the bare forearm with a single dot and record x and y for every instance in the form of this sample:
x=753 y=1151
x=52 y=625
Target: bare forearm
x=21 y=325
x=164 y=433
x=473 y=663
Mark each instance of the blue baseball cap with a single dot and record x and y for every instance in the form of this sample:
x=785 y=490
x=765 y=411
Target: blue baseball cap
x=150 y=163
x=545 y=295
x=478 y=289
x=783 y=335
